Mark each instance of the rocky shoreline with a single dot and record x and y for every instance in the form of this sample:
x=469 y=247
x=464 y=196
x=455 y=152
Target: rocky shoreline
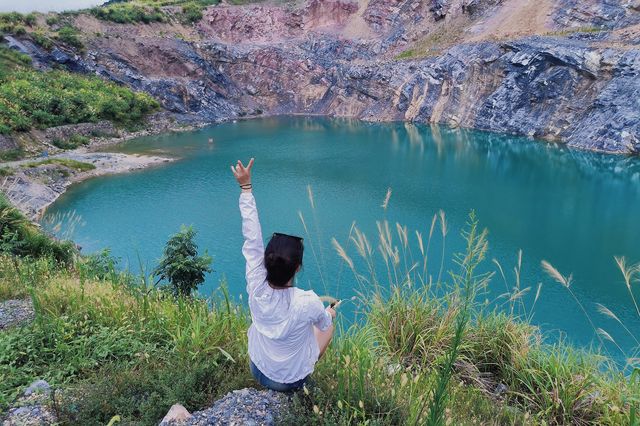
x=562 y=71
x=32 y=188
x=36 y=184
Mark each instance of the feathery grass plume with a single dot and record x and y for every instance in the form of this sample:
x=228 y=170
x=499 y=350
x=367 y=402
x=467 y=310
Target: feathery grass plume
x=556 y=275
x=443 y=222
x=310 y=195
x=361 y=243
x=566 y=283
x=608 y=313
x=389 y=251
x=342 y=253
x=533 y=305
x=420 y=243
x=63 y=225
x=407 y=254
x=607 y=336
x=627 y=273
x=387 y=197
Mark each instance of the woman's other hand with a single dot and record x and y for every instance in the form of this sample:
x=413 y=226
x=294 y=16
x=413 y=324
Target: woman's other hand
x=331 y=311
x=242 y=173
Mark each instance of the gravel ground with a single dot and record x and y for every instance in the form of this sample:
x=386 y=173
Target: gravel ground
x=245 y=407
x=15 y=312
x=32 y=408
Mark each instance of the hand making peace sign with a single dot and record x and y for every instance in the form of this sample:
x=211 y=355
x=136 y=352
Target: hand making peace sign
x=242 y=173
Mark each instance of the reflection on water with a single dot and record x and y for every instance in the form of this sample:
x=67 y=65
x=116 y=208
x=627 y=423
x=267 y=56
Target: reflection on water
x=575 y=209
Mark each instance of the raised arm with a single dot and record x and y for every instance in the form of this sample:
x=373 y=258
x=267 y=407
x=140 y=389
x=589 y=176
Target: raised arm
x=253 y=247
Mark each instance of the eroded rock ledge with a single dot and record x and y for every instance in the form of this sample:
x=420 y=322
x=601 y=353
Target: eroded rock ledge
x=562 y=70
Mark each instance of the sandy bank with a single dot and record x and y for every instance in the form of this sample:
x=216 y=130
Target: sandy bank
x=33 y=187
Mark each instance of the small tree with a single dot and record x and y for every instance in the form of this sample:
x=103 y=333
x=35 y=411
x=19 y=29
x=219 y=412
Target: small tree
x=180 y=265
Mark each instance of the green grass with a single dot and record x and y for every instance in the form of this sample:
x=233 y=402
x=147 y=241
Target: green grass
x=33 y=99
x=69 y=36
x=19 y=237
x=71 y=164
x=72 y=143
x=14 y=23
x=423 y=350
x=148 y=11
x=12 y=155
x=128 y=13
x=6 y=171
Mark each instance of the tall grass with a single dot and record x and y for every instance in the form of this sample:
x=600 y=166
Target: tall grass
x=91 y=330
x=425 y=348
x=427 y=344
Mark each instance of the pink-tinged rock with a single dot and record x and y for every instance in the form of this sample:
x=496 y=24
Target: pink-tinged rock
x=177 y=413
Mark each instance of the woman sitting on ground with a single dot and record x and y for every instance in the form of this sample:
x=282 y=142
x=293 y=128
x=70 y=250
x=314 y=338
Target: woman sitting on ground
x=290 y=328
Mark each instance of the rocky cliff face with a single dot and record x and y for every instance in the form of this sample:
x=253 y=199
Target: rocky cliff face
x=564 y=70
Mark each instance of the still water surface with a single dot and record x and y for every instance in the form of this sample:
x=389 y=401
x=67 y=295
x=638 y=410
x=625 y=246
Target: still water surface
x=27 y=6
x=575 y=209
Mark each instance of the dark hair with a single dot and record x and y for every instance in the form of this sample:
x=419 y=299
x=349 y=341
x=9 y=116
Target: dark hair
x=282 y=257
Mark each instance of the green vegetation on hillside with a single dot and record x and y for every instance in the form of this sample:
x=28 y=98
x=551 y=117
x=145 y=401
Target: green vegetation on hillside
x=15 y=23
x=127 y=13
x=71 y=164
x=422 y=349
x=20 y=238
x=35 y=99
x=148 y=11
x=73 y=142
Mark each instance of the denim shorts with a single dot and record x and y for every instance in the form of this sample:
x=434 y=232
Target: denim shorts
x=276 y=386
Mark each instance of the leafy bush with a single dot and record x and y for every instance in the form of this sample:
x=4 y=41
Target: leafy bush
x=12 y=155
x=69 y=35
x=126 y=13
x=42 y=40
x=180 y=265
x=72 y=143
x=52 y=20
x=18 y=237
x=30 y=98
x=14 y=22
x=191 y=12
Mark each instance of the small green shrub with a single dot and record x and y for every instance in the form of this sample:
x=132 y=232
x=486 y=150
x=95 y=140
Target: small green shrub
x=13 y=22
x=30 y=19
x=19 y=237
x=126 y=13
x=180 y=265
x=12 y=155
x=72 y=143
x=6 y=171
x=69 y=35
x=52 y=20
x=191 y=12
x=41 y=39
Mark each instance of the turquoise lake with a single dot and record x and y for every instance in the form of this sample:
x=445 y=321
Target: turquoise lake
x=575 y=209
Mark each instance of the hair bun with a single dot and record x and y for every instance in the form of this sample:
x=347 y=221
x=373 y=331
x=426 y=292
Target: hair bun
x=282 y=258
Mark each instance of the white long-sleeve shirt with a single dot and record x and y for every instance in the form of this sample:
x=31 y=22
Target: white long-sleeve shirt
x=281 y=339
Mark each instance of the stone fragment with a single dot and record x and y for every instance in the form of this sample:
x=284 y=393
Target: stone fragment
x=39 y=386
x=177 y=414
